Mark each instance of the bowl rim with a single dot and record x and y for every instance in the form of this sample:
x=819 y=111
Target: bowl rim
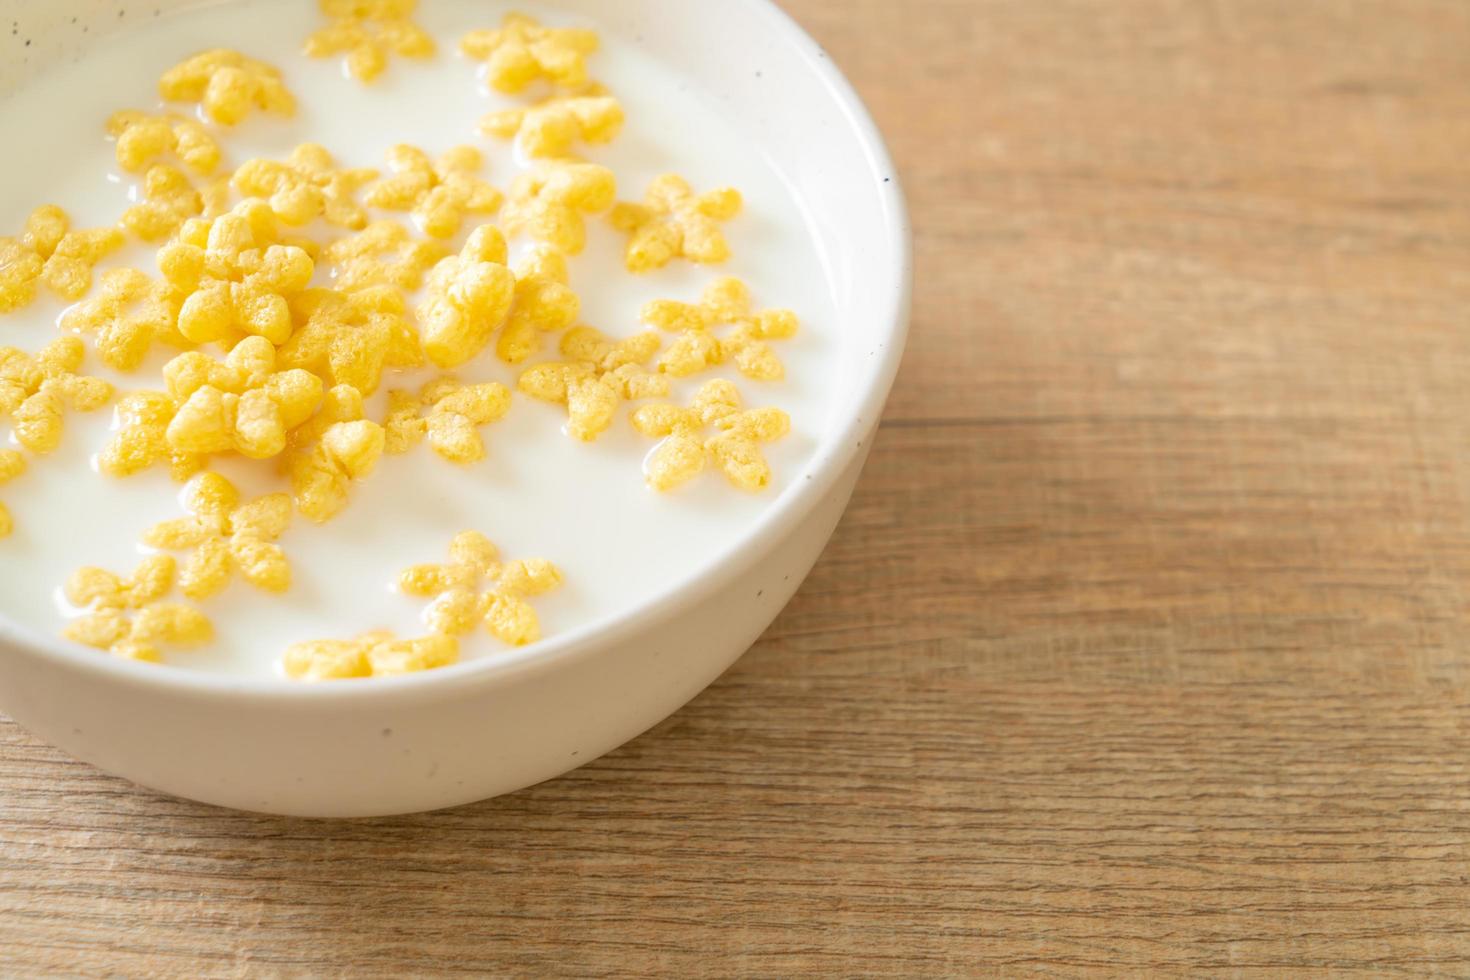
x=843 y=442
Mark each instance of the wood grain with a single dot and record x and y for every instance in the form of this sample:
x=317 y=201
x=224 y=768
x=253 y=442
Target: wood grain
x=1143 y=648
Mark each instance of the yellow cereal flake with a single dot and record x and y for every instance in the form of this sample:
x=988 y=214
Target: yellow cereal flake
x=127 y=615
x=725 y=301
x=129 y=314
x=226 y=535
x=544 y=303
x=469 y=298
x=169 y=200
x=385 y=253
x=142 y=438
x=37 y=390
x=347 y=450
x=449 y=414
x=674 y=222
x=236 y=276
x=440 y=193
x=474 y=587
x=735 y=447
x=550 y=202
x=376 y=654
x=12 y=465
x=549 y=128
x=597 y=376
x=367 y=31
x=350 y=338
x=522 y=51
x=50 y=252
x=143 y=138
x=228 y=85
x=307 y=185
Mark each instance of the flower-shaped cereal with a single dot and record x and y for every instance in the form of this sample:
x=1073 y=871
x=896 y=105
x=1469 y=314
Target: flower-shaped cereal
x=673 y=221
x=349 y=338
x=36 y=391
x=449 y=414
x=127 y=316
x=597 y=376
x=440 y=193
x=236 y=277
x=307 y=185
x=368 y=31
x=226 y=535
x=228 y=85
x=12 y=465
x=475 y=587
x=336 y=448
x=521 y=51
x=376 y=654
x=50 y=252
x=143 y=138
x=142 y=438
x=544 y=303
x=549 y=128
x=735 y=447
x=127 y=616
x=469 y=298
x=169 y=200
x=242 y=404
x=550 y=202
x=725 y=301
x=363 y=259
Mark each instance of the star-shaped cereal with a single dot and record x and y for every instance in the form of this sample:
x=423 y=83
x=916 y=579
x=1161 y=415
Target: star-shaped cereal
x=37 y=391
x=243 y=404
x=597 y=376
x=550 y=202
x=735 y=448
x=142 y=438
x=226 y=535
x=143 y=138
x=332 y=451
x=129 y=313
x=469 y=298
x=544 y=303
x=307 y=185
x=674 y=222
x=476 y=587
x=449 y=414
x=169 y=200
x=236 y=276
x=385 y=253
x=350 y=338
x=725 y=301
x=228 y=85
x=375 y=654
x=368 y=31
x=440 y=193
x=127 y=615
x=521 y=51
x=50 y=252
x=12 y=465
x=549 y=128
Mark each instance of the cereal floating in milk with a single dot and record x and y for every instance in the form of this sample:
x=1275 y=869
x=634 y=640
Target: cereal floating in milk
x=725 y=301
x=673 y=222
x=735 y=447
x=475 y=587
x=351 y=338
x=141 y=440
x=127 y=615
x=544 y=303
x=597 y=376
x=367 y=31
x=228 y=85
x=12 y=465
x=129 y=314
x=551 y=201
x=226 y=535
x=321 y=476
x=383 y=254
x=143 y=138
x=469 y=298
x=170 y=199
x=306 y=186
x=549 y=128
x=50 y=252
x=521 y=51
x=440 y=193
x=449 y=414
x=376 y=654
x=36 y=392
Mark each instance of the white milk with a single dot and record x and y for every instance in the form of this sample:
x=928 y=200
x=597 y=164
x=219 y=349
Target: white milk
x=540 y=493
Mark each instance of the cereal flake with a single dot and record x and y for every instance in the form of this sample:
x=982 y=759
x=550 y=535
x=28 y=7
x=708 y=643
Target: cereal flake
x=475 y=587
x=228 y=85
x=127 y=615
x=735 y=448
x=469 y=298
x=522 y=51
x=674 y=222
x=549 y=128
x=597 y=376
x=449 y=414
x=307 y=185
x=375 y=654
x=550 y=202
x=725 y=301
x=368 y=31
x=440 y=193
x=37 y=390
x=226 y=535
x=143 y=138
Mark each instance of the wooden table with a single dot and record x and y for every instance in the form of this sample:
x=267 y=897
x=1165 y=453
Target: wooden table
x=1143 y=646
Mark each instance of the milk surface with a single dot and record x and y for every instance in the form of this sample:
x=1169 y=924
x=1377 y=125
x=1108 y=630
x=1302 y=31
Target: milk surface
x=540 y=493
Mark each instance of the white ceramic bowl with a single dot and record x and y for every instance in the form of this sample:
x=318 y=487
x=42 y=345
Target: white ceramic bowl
x=489 y=727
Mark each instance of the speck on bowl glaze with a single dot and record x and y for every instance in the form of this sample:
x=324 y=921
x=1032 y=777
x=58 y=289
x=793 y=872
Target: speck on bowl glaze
x=486 y=727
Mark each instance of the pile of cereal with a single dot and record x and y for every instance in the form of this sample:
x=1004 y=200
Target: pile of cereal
x=271 y=366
